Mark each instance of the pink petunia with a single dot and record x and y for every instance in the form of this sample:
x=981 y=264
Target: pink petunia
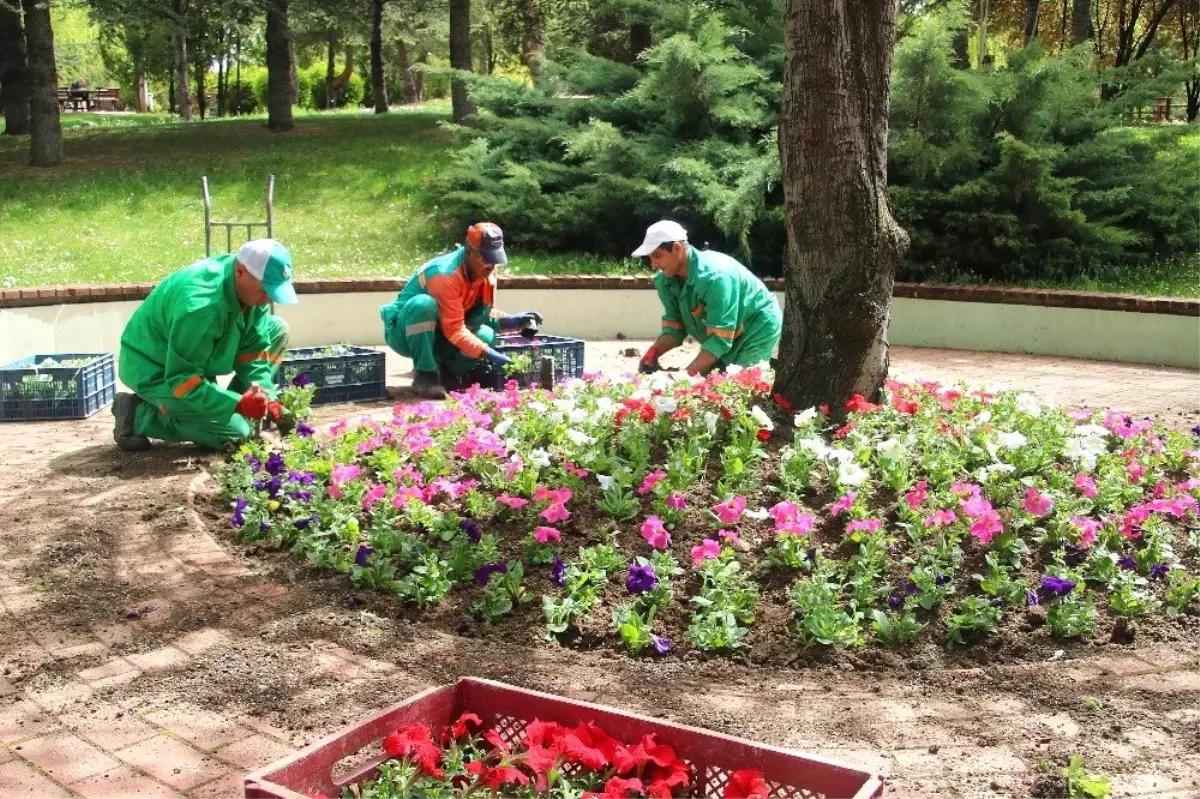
x=844 y=503
x=556 y=512
x=801 y=525
x=559 y=496
x=1036 y=503
x=338 y=428
x=729 y=537
x=1086 y=485
x=965 y=489
x=1087 y=530
x=546 y=535
x=676 y=501
x=513 y=468
x=730 y=512
x=652 y=480
x=575 y=470
x=516 y=503
x=655 y=533
x=785 y=512
x=1135 y=471
x=866 y=525
x=404 y=494
x=917 y=496
x=941 y=518
x=375 y=494
x=986 y=526
x=1079 y=414
x=706 y=550
x=975 y=506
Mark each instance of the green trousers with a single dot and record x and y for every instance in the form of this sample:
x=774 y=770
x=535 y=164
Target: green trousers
x=163 y=416
x=411 y=329
x=758 y=341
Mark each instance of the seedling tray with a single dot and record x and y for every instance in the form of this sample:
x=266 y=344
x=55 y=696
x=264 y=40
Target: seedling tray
x=509 y=709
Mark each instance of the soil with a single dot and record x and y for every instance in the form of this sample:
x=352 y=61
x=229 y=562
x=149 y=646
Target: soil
x=131 y=549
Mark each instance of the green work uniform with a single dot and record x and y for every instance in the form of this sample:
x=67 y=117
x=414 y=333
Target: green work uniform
x=722 y=305
x=440 y=317
x=190 y=330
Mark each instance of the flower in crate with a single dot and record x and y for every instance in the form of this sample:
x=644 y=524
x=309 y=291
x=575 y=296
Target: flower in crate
x=465 y=725
x=416 y=741
x=301 y=380
x=655 y=533
x=746 y=784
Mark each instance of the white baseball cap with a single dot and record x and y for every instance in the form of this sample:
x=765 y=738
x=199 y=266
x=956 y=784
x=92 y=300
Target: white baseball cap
x=271 y=263
x=660 y=233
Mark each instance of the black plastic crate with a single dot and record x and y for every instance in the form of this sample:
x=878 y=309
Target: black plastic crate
x=566 y=352
x=31 y=389
x=341 y=372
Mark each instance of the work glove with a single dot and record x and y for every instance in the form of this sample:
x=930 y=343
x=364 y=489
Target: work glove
x=649 y=362
x=253 y=404
x=513 y=321
x=497 y=358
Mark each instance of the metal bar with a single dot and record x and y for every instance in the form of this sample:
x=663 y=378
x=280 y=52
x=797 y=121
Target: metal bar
x=207 y=217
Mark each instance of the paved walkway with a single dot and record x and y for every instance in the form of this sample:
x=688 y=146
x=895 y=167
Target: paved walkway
x=140 y=653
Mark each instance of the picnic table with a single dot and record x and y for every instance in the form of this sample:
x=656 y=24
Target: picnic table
x=90 y=99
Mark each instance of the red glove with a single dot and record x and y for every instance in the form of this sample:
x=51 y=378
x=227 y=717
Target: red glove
x=274 y=410
x=649 y=362
x=253 y=404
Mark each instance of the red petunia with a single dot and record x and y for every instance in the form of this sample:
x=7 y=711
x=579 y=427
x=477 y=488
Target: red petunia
x=907 y=407
x=680 y=415
x=859 y=404
x=493 y=738
x=496 y=777
x=462 y=726
x=747 y=784
x=844 y=430
x=635 y=758
x=598 y=740
x=664 y=779
x=783 y=402
x=648 y=413
x=415 y=741
x=763 y=435
x=618 y=788
x=541 y=733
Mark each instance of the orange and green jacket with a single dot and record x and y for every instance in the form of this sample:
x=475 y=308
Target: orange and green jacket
x=463 y=304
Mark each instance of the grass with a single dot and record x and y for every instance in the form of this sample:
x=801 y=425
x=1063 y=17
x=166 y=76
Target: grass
x=126 y=203
x=350 y=200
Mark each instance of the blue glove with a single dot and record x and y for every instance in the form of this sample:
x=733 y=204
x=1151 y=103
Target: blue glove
x=498 y=358
x=513 y=321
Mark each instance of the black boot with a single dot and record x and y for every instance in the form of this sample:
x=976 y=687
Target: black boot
x=124 y=410
x=427 y=386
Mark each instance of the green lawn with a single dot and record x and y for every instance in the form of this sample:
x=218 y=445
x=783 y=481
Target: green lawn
x=349 y=201
x=126 y=203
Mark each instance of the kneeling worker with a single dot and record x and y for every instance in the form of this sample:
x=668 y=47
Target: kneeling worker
x=441 y=318
x=712 y=297
x=205 y=320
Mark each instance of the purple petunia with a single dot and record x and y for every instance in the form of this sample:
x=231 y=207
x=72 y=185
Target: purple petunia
x=484 y=573
x=301 y=380
x=1054 y=587
x=275 y=465
x=363 y=555
x=1127 y=563
x=471 y=529
x=661 y=645
x=1159 y=571
x=1031 y=597
x=942 y=579
x=300 y=496
x=303 y=478
x=239 y=512
x=255 y=463
x=558 y=570
x=306 y=522
x=304 y=430
x=1196 y=431
x=895 y=601
x=641 y=579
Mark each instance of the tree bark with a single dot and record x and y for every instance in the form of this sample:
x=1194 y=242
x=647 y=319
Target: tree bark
x=985 y=8
x=961 y=45
x=329 y=68
x=201 y=93
x=45 y=139
x=1032 y=7
x=281 y=67
x=378 y=84
x=14 y=73
x=410 y=84
x=419 y=77
x=843 y=244
x=640 y=40
x=143 y=93
x=1081 y=21
x=182 y=98
x=532 y=47
x=460 y=58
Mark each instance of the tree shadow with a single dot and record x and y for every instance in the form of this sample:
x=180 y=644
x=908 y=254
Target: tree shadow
x=105 y=460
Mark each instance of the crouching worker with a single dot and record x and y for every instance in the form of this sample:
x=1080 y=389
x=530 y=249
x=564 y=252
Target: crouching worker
x=711 y=297
x=203 y=321
x=444 y=318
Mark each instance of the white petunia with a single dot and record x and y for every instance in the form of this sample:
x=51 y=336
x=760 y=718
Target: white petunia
x=564 y=405
x=814 y=445
x=710 y=421
x=761 y=417
x=605 y=481
x=758 y=515
x=579 y=438
x=996 y=468
x=980 y=419
x=537 y=407
x=804 y=417
x=732 y=369
x=1028 y=405
x=851 y=474
x=540 y=457
x=1011 y=439
x=892 y=449
x=503 y=427
x=605 y=404
x=641 y=394
x=665 y=405
x=578 y=416
x=839 y=456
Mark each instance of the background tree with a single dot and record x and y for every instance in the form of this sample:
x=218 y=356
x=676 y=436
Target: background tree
x=460 y=58
x=14 y=75
x=45 y=141
x=843 y=244
x=281 y=66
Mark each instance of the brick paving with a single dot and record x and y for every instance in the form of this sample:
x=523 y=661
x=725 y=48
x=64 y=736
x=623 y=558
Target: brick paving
x=71 y=723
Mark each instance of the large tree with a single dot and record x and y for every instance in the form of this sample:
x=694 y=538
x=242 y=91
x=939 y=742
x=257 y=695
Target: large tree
x=281 y=65
x=378 y=83
x=843 y=244
x=14 y=74
x=45 y=145
x=460 y=57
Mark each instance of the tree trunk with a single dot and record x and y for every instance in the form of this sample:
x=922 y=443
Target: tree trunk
x=281 y=85
x=143 y=93
x=201 y=92
x=1081 y=21
x=640 y=40
x=222 y=72
x=985 y=7
x=182 y=98
x=1032 y=7
x=419 y=77
x=460 y=57
x=961 y=45
x=329 y=68
x=410 y=84
x=378 y=84
x=14 y=73
x=532 y=48
x=45 y=140
x=843 y=244
x=293 y=69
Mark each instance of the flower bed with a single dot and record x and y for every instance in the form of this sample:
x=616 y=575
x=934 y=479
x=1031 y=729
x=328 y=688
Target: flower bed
x=663 y=514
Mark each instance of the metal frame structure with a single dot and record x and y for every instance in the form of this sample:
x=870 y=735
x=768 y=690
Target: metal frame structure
x=209 y=224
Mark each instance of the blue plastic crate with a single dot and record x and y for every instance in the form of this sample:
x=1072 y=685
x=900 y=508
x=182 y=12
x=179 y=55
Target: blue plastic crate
x=341 y=373
x=566 y=352
x=30 y=391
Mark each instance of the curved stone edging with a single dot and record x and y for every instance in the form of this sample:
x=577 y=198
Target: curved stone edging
x=1046 y=298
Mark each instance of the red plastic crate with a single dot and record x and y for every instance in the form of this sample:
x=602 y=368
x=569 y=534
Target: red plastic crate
x=508 y=709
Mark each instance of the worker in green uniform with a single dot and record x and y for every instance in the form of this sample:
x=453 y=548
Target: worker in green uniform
x=711 y=297
x=445 y=319
x=208 y=319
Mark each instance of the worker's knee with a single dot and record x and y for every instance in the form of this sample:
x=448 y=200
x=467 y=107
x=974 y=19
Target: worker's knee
x=486 y=334
x=280 y=334
x=421 y=308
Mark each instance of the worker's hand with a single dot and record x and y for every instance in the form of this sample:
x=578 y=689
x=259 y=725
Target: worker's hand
x=274 y=410
x=513 y=321
x=498 y=358
x=649 y=363
x=253 y=404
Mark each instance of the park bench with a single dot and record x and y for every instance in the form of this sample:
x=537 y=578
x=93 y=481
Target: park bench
x=65 y=99
x=110 y=97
